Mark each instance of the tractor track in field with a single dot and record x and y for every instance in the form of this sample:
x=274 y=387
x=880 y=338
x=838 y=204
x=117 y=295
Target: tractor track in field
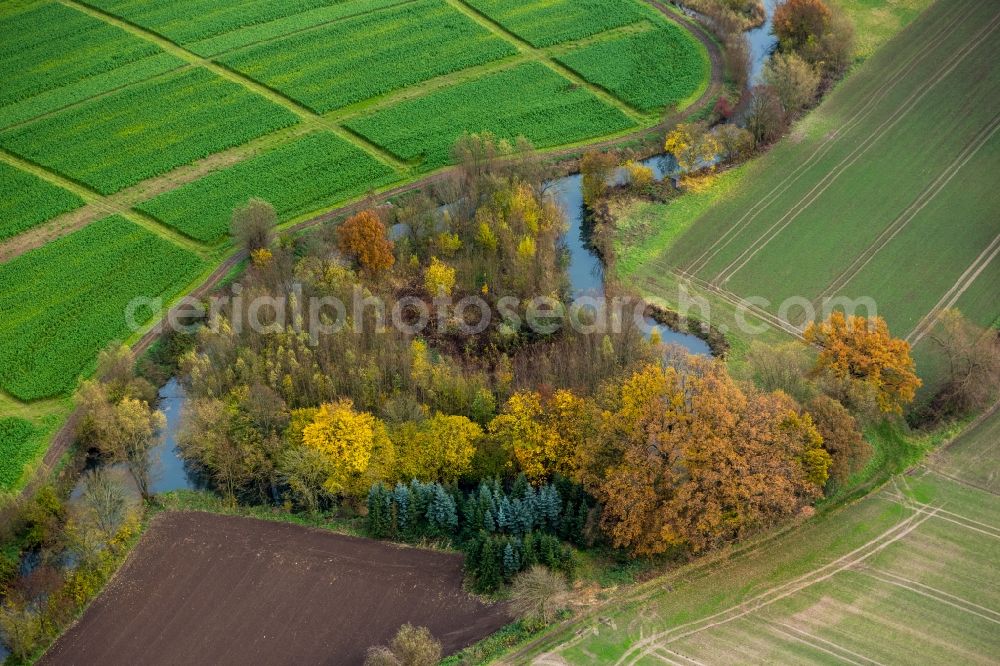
x=856 y=154
x=922 y=201
x=64 y=438
x=828 y=143
x=925 y=325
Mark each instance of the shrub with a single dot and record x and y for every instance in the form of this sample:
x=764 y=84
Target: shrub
x=412 y=646
x=539 y=594
x=253 y=225
x=794 y=81
x=439 y=278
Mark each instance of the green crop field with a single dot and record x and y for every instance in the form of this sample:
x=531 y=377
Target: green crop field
x=887 y=191
x=280 y=27
x=308 y=174
x=972 y=458
x=144 y=130
x=625 y=65
x=907 y=571
x=54 y=56
x=173 y=114
x=20 y=441
x=66 y=301
x=548 y=22
x=531 y=100
x=26 y=200
x=375 y=54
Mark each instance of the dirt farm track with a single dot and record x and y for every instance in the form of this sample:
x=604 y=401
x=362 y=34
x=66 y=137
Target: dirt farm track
x=203 y=588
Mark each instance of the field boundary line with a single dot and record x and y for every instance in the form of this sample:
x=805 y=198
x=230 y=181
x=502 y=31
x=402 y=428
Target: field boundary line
x=779 y=592
x=775 y=628
x=857 y=153
x=293 y=33
x=110 y=91
x=926 y=196
x=951 y=297
x=967 y=484
x=94 y=200
x=911 y=524
x=305 y=114
x=929 y=595
x=828 y=143
x=522 y=45
x=683 y=660
x=834 y=646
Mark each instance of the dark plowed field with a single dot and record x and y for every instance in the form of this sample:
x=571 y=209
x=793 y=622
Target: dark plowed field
x=208 y=589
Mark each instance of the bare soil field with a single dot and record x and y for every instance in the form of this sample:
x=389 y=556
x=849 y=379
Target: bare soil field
x=204 y=588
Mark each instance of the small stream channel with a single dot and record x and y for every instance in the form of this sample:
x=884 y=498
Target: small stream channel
x=762 y=43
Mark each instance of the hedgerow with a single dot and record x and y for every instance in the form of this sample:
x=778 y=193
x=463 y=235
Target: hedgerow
x=115 y=141
x=647 y=70
x=65 y=301
x=548 y=22
x=313 y=172
x=374 y=54
x=530 y=100
x=26 y=200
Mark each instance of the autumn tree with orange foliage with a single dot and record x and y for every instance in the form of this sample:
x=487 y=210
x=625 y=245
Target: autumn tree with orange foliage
x=363 y=238
x=856 y=349
x=695 y=462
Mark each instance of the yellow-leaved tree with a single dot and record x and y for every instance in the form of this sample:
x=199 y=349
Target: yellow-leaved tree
x=439 y=278
x=355 y=446
x=692 y=146
x=862 y=350
x=544 y=436
x=439 y=448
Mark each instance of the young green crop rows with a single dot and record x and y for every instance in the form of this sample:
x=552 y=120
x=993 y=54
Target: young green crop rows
x=145 y=130
x=547 y=22
x=530 y=100
x=311 y=173
x=52 y=46
x=627 y=65
x=19 y=443
x=359 y=58
x=313 y=18
x=53 y=56
x=67 y=300
x=184 y=21
x=26 y=200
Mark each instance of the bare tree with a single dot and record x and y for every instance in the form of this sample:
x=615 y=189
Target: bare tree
x=539 y=594
x=973 y=355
